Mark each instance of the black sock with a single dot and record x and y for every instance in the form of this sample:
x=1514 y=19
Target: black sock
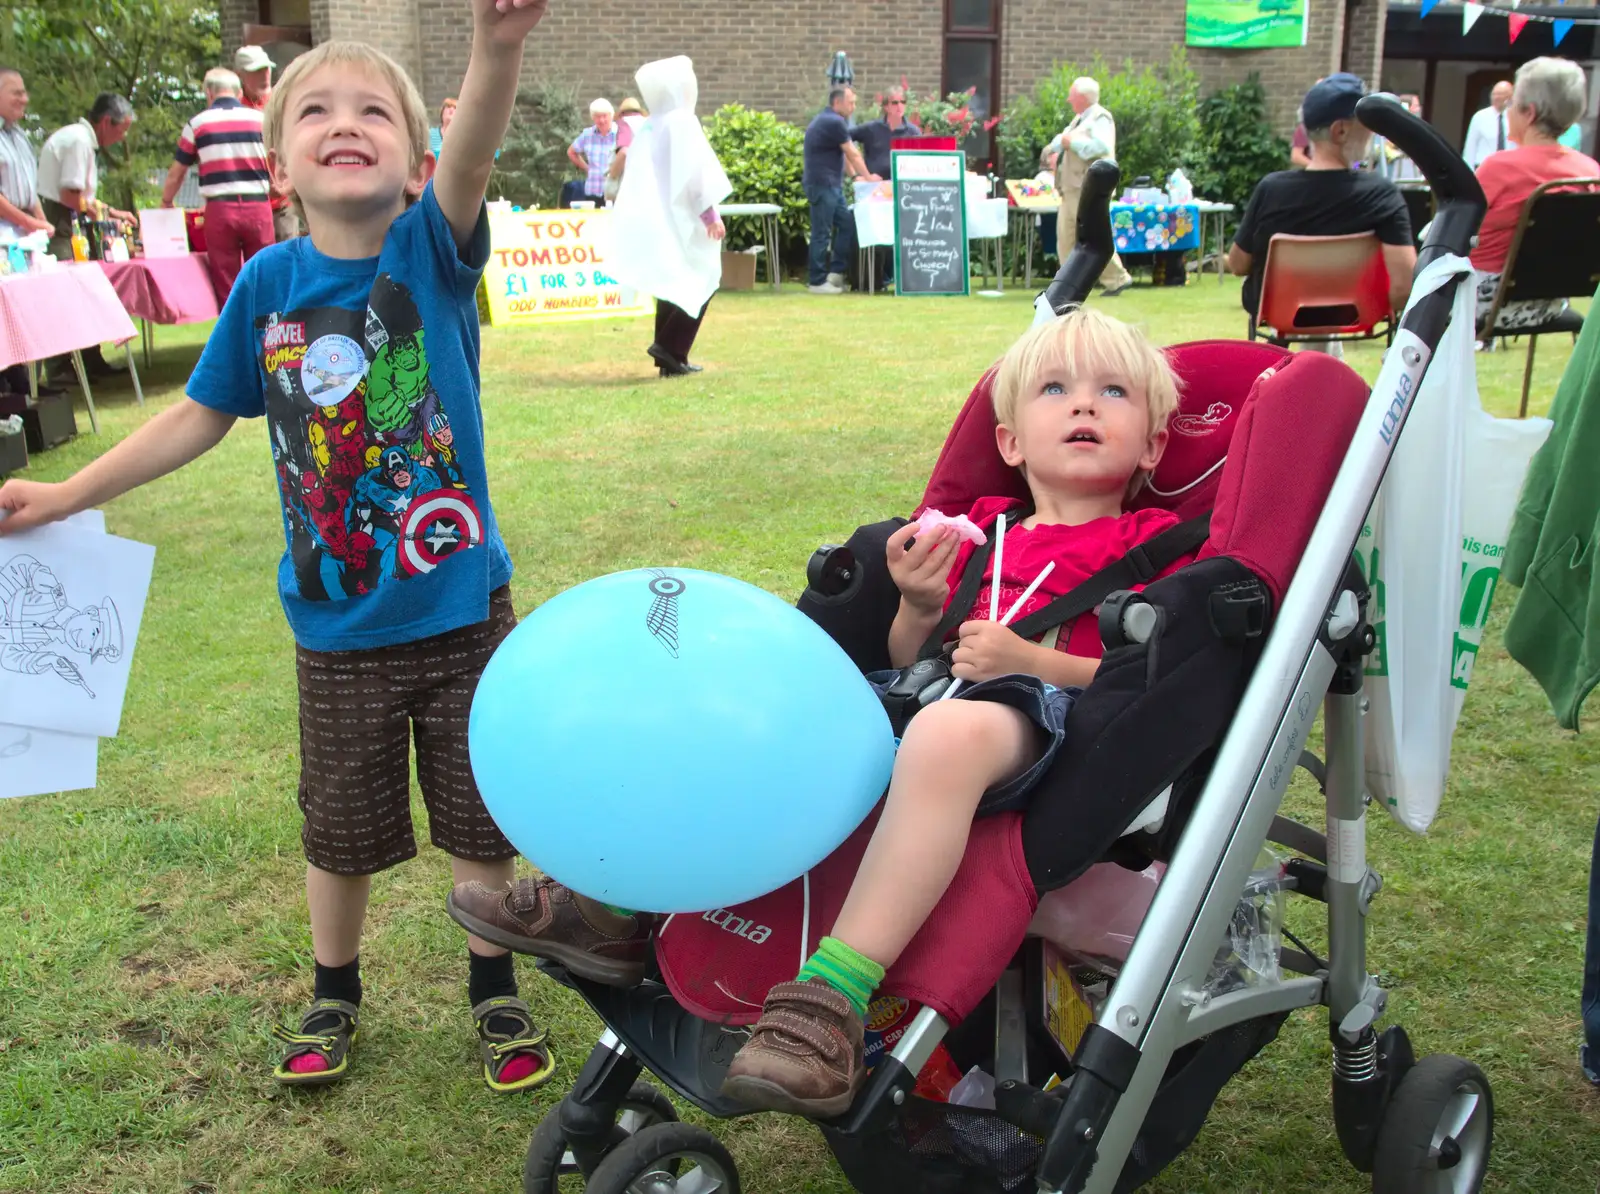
x=490 y=978
x=335 y=982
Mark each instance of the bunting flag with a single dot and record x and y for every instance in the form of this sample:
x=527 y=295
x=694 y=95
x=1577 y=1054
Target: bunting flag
x=1515 y=21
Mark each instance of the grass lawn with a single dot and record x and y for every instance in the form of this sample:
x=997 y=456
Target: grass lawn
x=152 y=929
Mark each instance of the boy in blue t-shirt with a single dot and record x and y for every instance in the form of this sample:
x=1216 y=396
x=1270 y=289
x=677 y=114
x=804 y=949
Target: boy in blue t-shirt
x=358 y=345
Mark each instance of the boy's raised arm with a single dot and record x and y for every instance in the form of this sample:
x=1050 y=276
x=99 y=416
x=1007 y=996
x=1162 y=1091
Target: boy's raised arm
x=487 y=95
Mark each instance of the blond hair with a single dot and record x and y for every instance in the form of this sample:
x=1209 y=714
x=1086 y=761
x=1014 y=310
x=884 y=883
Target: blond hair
x=1085 y=343
x=347 y=54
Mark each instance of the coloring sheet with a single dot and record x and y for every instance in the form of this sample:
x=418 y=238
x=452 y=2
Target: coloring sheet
x=71 y=600
x=33 y=762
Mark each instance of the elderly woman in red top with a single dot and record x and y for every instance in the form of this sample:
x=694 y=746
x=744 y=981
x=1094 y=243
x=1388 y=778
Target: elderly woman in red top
x=1550 y=94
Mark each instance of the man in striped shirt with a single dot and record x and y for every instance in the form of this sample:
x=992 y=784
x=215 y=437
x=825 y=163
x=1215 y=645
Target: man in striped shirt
x=19 y=168
x=225 y=140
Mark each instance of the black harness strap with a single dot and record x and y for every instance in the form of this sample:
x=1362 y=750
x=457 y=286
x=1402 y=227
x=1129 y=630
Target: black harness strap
x=1140 y=566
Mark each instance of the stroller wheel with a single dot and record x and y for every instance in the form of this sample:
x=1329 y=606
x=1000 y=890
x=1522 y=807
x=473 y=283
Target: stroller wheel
x=549 y=1160
x=1436 y=1131
x=671 y=1158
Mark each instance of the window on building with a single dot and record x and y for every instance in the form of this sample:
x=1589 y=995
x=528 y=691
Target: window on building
x=286 y=12
x=972 y=59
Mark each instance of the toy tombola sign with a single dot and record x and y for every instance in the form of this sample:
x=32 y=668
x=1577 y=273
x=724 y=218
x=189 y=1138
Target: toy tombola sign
x=547 y=266
x=1246 y=24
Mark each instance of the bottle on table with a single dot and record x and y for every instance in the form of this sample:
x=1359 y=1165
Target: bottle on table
x=80 y=241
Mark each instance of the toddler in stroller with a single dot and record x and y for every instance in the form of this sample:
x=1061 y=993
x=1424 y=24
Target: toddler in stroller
x=1185 y=740
x=1081 y=406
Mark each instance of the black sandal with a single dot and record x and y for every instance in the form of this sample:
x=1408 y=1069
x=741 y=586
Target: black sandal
x=332 y=1046
x=498 y=1048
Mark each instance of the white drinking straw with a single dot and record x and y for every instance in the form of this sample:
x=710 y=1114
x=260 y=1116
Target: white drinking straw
x=994 y=581
x=1010 y=613
x=1028 y=592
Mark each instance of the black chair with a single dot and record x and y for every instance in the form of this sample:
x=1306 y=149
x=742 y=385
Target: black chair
x=1419 y=207
x=1555 y=254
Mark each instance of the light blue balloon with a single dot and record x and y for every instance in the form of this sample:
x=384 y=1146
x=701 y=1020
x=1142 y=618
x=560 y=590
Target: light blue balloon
x=673 y=741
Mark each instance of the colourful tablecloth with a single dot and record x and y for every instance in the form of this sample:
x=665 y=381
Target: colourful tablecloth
x=55 y=312
x=1155 y=229
x=164 y=289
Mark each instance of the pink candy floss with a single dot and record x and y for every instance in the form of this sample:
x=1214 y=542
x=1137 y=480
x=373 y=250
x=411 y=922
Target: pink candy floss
x=960 y=523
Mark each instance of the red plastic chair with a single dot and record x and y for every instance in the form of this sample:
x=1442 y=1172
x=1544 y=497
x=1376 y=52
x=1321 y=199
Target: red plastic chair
x=1323 y=288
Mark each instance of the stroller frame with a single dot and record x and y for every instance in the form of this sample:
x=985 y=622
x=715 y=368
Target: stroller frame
x=1158 y=1003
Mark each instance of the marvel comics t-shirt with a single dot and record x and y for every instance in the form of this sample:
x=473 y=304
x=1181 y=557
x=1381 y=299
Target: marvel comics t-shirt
x=366 y=373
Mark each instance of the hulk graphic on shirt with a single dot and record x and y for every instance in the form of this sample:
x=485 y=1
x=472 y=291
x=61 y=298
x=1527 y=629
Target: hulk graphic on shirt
x=397 y=383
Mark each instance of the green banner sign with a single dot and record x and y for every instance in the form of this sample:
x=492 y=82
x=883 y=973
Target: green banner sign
x=1246 y=24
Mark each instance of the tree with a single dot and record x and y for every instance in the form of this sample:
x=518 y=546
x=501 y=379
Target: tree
x=155 y=52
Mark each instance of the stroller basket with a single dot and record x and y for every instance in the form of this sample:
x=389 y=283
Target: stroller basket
x=940 y=1148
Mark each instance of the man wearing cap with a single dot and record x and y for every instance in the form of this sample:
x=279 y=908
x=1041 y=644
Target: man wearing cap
x=225 y=143
x=1329 y=197
x=255 y=69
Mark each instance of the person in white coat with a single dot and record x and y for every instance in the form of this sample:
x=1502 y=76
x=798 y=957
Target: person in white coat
x=1488 y=131
x=667 y=227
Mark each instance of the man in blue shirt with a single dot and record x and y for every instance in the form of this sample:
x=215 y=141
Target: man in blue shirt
x=828 y=149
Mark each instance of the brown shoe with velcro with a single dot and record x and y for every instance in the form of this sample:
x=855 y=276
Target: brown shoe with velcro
x=804 y=1055
x=543 y=918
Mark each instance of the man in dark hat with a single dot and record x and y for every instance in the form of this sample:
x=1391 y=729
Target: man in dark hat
x=1329 y=197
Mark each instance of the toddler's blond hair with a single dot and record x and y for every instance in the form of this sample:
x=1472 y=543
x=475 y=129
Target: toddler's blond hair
x=347 y=54
x=1081 y=343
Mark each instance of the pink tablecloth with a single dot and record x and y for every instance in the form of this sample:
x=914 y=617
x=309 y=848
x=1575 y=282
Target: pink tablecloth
x=164 y=289
x=48 y=314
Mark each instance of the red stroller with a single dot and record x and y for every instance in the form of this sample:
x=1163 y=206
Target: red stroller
x=1180 y=751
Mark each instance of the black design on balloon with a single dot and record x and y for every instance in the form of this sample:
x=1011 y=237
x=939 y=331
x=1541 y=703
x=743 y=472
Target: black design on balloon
x=662 y=620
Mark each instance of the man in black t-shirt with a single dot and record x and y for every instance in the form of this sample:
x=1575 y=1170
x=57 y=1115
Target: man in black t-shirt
x=1327 y=198
x=828 y=151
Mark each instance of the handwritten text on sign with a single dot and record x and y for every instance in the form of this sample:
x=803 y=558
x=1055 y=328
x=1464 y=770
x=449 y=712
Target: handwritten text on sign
x=554 y=265
x=930 y=223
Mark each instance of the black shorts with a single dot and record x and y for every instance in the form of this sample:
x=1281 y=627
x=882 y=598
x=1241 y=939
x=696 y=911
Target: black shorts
x=359 y=713
x=1043 y=704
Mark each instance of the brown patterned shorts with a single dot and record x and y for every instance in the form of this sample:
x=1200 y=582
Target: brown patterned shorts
x=359 y=712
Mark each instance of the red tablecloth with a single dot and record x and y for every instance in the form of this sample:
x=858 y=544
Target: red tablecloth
x=48 y=314
x=164 y=289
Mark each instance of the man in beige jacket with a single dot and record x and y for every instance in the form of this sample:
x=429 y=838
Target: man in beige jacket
x=1092 y=135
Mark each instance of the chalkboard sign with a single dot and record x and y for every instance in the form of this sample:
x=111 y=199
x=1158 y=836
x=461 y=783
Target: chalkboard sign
x=930 y=223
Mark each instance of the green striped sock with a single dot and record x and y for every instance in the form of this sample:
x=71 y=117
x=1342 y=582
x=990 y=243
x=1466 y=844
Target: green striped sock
x=853 y=975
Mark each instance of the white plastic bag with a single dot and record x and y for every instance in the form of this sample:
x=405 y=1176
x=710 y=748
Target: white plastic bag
x=1431 y=553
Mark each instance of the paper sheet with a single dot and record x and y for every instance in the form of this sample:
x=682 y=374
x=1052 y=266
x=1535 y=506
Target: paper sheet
x=71 y=601
x=34 y=762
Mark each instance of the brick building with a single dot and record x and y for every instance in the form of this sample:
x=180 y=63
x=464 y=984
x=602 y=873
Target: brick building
x=775 y=56
x=778 y=58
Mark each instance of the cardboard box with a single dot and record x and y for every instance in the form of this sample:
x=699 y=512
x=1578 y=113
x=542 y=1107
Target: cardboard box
x=738 y=271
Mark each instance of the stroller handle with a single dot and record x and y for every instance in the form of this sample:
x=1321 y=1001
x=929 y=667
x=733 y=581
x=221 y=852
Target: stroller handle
x=1461 y=201
x=1095 y=246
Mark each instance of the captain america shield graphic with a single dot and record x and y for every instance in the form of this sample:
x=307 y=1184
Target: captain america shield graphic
x=438 y=525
